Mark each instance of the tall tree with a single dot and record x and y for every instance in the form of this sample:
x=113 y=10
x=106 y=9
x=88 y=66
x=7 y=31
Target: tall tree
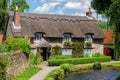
x=21 y=3
x=6 y=5
x=111 y=8
x=3 y=10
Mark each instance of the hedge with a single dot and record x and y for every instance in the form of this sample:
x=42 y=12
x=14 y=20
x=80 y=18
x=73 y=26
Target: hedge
x=79 y=60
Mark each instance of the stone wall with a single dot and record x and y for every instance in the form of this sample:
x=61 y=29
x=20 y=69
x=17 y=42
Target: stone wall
x=19 y=62
x=98 y=46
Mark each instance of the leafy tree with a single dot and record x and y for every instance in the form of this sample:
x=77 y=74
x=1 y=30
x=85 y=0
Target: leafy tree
x=114 y=15
x=21 y=3
x=3 y=10
x=101 y=5
x=111 y=8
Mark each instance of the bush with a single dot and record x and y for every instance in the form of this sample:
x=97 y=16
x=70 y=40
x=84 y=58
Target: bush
x=15 y=44
x=56 y=50
x=77 y=49
x=57 y=74
x=67 y=67
x=97 y=66
x=35 y=59
x=86 y=55
x=67 y=44
x=97 y=54
x=79 y=60
x=56 y=57
x=4 y=62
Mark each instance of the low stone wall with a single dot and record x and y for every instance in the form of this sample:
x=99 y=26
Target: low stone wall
x=19 y=62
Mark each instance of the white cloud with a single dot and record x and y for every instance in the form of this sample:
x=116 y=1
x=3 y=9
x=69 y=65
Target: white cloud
x=77 y=5
x=46 y=7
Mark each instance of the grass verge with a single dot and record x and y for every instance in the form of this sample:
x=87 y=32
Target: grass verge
x=28 y=73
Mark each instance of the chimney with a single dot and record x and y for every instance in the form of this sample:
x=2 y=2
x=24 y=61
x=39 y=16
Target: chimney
x=89 y=13
x=17 y=17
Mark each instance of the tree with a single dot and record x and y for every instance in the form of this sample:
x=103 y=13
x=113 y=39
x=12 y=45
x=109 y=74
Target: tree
x=101 y=5
x=114 y=15
x=21 y=3
x=3 y=10
x=111 y=8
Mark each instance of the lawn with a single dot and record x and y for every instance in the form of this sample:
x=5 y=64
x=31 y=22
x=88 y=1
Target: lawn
x=28 y=73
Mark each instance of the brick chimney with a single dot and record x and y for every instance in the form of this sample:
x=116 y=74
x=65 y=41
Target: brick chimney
x=17 y=17
x=89 y=13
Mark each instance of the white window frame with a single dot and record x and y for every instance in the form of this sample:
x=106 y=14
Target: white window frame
x=38 y=36
x=88 y=51
x=67 y=38
x=88 y=38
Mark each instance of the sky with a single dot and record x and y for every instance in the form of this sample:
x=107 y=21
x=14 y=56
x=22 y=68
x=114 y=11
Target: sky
x=61 y=7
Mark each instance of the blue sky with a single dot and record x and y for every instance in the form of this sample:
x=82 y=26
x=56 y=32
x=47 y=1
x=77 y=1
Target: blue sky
x=62 y=7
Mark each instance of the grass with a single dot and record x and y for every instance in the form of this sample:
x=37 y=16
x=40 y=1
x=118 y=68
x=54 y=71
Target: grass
x=28 y=73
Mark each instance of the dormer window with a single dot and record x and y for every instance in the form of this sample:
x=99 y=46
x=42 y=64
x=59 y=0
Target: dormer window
x=88 y=38
x=38 y=36
x=67 y=38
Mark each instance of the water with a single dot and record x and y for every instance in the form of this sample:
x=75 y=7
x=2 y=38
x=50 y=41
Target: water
x=108 y=74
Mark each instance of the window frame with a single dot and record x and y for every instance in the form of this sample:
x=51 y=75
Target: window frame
x=38 y=36
x=67 y=37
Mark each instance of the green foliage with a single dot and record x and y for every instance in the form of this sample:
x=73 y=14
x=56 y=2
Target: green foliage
x=28 y=73
x=101 y=5
x=57 y=50
x=77 y=49
x=67 y=44
x=67 y=67
x=15 y=44
x=4 y=62
x=56 y=57
x=3 y=48
x=79 y=60
x=21 y=3
x=35 y=59
x=3 y=10
x=57 y=74
x=86 y=55
x=97 y=66
x=88 y=44
x=97 y=54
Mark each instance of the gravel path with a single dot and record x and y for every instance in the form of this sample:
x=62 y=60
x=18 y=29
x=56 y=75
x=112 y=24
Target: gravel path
x=42 y=73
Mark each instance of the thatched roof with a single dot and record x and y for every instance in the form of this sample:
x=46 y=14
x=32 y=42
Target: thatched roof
x=54 y=25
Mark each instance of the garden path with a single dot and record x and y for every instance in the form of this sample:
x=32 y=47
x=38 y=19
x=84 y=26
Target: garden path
x=42 y=73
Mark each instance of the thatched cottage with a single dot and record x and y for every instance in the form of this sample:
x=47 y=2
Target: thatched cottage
x=48 y=30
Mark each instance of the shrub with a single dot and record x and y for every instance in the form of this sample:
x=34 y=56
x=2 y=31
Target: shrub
x=56 y=57
x=77 y=49
x=57 y=74
x=35 y=59
x=15 y=44
x=67 y=44
x=57 y=50
x=4 y=62
x=67 y=67
x=79 y=60
x=86 y=55
x=97 y=54
x=97 y=66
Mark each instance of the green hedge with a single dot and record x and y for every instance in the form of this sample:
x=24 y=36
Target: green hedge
x=57 y=74
x=79 y=60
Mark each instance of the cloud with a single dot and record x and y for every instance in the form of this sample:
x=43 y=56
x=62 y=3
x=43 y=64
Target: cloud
x=46 y=7
x=77 y=5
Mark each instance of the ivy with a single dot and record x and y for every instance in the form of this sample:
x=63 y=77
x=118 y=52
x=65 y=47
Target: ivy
x=77 y=49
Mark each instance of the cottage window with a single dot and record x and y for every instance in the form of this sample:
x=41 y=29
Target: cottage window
x=67 y=38
x=88 y=38
x=38 y=36
x=66 y=51
x=88 y=51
